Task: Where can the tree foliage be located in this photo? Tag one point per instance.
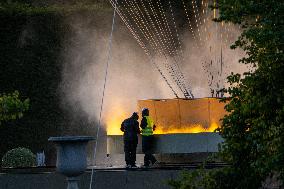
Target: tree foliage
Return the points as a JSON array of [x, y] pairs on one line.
[[220, 178], [253, 130], [196, 179], [12, 107], [254, 127]]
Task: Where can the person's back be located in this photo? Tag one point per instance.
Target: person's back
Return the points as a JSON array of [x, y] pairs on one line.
[[130, 127]]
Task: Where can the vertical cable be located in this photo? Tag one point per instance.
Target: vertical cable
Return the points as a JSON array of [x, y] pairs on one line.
[[105, 80]]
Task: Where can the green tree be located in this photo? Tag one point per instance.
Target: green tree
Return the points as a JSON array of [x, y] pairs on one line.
[[12, 107], [254, 128]]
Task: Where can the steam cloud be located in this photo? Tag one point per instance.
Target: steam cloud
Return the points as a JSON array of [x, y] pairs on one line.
[[130, 75]]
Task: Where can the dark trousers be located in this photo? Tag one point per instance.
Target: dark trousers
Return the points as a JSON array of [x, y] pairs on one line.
[[130, 151], [147, 148]]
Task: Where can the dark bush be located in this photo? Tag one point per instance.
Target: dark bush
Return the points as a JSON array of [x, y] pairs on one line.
[[19, 157]]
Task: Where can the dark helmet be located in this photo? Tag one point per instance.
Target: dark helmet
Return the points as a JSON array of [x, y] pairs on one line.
[[145, 112], [135, 115]]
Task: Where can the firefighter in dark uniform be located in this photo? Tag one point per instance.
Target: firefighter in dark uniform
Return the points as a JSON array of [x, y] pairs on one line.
[[147, 125], [130, 127]]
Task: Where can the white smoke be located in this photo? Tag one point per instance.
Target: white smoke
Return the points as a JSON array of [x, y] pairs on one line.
[[130, 75]]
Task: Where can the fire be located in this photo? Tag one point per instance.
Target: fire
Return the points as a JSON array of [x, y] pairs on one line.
[[196, 128], [113, 123], [175, 116], [114, 128], [114, 115]]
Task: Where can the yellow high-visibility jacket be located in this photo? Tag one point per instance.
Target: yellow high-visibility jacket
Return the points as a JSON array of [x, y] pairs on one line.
[[148, 130]]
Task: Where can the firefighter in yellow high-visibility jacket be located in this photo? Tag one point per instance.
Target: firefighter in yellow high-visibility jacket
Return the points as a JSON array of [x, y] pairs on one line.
[[147, 125]]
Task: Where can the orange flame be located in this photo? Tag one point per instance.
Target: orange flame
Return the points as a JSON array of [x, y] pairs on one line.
[[195, 117], [113, 123], [113, 127], [196, 128]]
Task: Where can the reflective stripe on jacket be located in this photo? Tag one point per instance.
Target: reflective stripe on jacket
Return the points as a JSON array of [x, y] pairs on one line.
[[147, 131]]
